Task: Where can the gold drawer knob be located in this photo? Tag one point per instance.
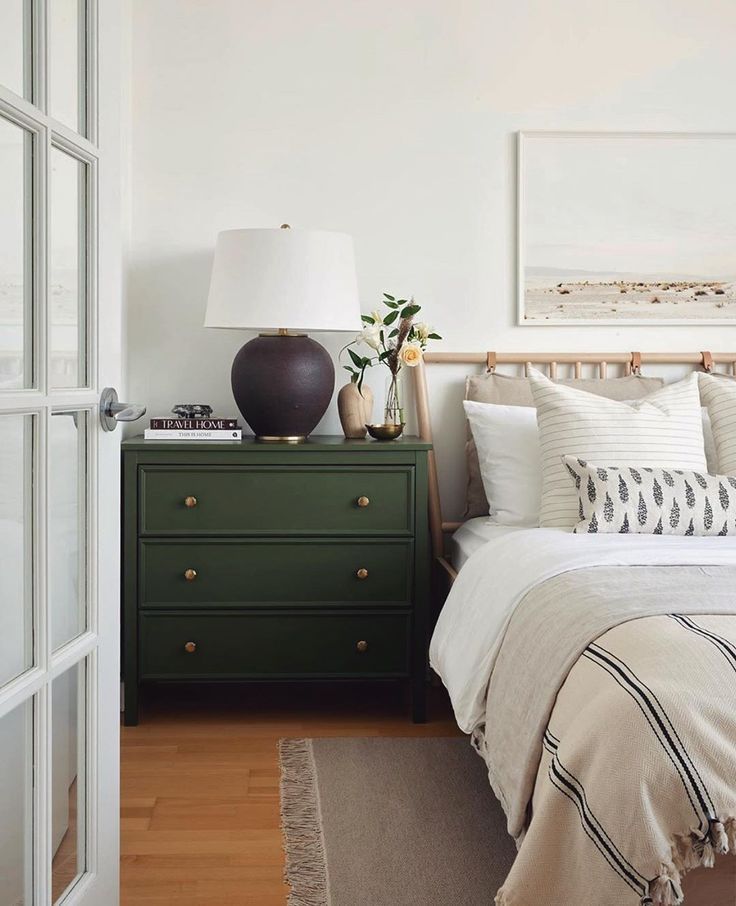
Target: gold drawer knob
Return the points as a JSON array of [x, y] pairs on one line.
[[190, 574], [190, 647], [362, 646], [363, 502], [190, 502], [362, 573]]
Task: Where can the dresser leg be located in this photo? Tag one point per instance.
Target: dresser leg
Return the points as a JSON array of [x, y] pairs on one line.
[[130, 704], [419, 701]]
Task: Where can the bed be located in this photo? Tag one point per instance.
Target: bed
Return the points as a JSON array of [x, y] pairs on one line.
[[596, 676]]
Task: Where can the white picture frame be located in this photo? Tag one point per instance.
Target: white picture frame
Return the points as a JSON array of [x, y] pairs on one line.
[[635, 227]]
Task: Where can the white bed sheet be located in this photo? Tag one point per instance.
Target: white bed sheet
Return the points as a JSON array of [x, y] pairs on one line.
[[502, 570], [472, 535]]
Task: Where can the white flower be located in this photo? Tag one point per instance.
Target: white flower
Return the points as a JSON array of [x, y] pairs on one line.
[[370, 335], [423, 330], [376, 315], [411, 354]]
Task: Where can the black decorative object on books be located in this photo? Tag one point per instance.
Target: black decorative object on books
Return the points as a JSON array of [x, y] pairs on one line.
[[192, 410]]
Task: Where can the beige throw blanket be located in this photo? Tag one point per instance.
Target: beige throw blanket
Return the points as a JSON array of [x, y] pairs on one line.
[[610, 733]]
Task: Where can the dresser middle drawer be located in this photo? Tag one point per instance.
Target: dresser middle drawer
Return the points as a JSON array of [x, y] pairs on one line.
[[277, 500], [275, 572]]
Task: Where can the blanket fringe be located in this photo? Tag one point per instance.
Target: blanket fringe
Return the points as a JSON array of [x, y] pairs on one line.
[[301, 824], [689, 851], [664, 890]]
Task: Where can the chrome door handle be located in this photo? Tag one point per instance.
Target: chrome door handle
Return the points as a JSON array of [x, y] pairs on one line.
[[112, 411]]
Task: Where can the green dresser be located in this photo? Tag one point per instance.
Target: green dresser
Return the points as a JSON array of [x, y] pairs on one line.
[[252, 561]]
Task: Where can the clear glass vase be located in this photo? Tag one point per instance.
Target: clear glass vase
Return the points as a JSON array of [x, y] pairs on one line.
[[393, 411]]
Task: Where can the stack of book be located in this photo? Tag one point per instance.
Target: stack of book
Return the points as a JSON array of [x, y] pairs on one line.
[[193, 429]]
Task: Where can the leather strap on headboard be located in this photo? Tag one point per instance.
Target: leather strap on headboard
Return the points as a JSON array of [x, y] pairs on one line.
[[707, 361]]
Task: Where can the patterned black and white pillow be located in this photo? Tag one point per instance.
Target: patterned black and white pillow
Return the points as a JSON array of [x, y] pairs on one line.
[[648, 501]]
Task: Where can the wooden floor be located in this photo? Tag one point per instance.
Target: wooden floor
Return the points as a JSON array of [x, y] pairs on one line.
[[200, 783]]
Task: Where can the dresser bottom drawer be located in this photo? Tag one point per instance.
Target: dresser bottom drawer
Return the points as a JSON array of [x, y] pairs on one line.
[[263, 645]]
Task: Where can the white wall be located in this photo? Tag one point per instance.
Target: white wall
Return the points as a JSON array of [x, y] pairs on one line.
[[394, 121]]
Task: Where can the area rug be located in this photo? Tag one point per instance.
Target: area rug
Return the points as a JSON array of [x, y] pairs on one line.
[[390, 822]]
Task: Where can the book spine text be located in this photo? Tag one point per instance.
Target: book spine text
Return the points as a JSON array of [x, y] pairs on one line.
[[234, 434]]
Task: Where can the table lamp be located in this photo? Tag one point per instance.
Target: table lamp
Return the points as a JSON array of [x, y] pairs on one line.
[[283, 282]]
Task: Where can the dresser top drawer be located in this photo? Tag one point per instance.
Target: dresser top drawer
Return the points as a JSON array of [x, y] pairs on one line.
[[276, 500]]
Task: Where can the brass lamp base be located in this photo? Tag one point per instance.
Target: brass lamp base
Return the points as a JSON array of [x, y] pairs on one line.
[[287, 439]]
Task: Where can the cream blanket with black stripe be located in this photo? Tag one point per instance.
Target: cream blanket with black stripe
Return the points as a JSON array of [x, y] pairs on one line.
[[610, 733]]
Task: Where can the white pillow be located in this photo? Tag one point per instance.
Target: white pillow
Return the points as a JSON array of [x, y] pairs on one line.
[[508, 452], [507, 442], [664, 429], [718, 393]]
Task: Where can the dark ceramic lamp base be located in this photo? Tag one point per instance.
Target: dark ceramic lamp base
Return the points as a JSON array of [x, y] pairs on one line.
[[283, 384]]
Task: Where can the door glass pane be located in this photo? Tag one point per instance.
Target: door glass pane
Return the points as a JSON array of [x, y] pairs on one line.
[[67, 525], [14, 45], [16, 806], [67, 282], [66, 62], [16, 524], [68, 779], [15, 248]]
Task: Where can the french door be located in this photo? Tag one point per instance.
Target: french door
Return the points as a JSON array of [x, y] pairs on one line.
[[59, 500]]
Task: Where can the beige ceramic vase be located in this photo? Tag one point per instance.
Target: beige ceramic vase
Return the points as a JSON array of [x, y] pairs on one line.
[[355, 409]]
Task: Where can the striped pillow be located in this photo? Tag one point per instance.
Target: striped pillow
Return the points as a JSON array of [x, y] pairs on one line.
[[718, 394], [664, 429]]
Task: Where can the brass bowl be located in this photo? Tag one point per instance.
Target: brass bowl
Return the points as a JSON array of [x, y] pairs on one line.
[[385, 432]]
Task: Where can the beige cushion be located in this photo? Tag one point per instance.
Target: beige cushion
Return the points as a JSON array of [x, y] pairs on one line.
[[505, 390]]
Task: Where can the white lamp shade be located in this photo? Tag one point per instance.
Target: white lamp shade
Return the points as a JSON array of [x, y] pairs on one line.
[[284, 278]]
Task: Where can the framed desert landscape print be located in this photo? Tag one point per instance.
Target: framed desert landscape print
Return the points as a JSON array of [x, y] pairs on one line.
[[626, 228]]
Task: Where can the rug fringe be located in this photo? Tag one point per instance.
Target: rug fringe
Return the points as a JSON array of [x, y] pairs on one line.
[[301, 825]]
